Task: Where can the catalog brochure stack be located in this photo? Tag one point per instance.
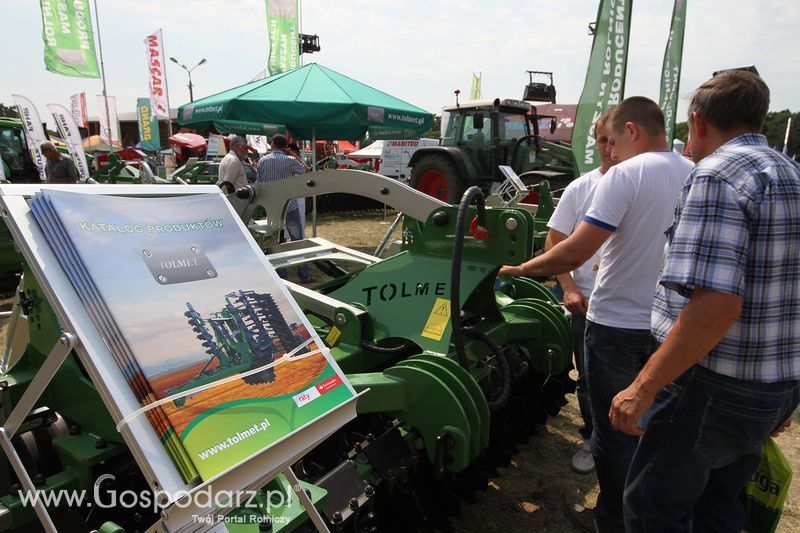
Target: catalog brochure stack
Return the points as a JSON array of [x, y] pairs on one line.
[[209, 340]]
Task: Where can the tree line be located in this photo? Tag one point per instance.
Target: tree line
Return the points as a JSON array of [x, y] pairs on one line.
[[774, 130]]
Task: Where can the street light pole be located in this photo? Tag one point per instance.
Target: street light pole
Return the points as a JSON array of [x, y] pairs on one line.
[[189, 72], [191, 94]]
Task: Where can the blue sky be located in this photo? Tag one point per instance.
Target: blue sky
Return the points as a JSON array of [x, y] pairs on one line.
[[417, 50]]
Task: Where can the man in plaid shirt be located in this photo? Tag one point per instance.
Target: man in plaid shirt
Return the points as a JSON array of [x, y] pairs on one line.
[[726, 374], [282, 163]]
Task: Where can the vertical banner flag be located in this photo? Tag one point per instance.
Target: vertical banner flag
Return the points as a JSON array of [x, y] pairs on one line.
[[148, 128], [78, 104], [604, 86], [72, 137], [671, 70], [157, 73], [282, 27], [34, 133], [68, 38], [106, 116], [475, 92]]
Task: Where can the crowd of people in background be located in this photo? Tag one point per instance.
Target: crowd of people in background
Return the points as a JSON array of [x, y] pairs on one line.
[[691, 354]]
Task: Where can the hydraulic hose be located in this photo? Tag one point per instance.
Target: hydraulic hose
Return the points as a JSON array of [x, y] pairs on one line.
[[455, 272], [505, 393]]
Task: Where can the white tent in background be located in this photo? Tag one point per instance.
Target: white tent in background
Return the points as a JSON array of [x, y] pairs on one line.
[[373, 151]]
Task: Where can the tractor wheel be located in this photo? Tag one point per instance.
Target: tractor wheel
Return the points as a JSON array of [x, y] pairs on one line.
[[437, 176]]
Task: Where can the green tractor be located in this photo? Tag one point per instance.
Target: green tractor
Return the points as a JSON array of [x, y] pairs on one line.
[[480, 136], [17, 163]]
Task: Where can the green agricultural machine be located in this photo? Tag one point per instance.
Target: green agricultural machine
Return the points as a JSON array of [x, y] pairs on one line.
[[17, 163], [480, 136], [119, 170], [456, 366], [17, 168]]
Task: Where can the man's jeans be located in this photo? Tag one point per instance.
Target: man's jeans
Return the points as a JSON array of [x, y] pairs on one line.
[[614, 356], [295, 225], [701, 446], [582, 389]]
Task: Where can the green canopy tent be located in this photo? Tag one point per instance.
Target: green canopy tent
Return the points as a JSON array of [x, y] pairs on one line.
[[312, 102]]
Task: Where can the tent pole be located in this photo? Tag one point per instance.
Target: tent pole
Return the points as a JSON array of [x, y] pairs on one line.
[[313, 169]]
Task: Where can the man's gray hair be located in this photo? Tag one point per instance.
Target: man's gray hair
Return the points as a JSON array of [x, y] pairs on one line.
[[47, 145], [238, 140]]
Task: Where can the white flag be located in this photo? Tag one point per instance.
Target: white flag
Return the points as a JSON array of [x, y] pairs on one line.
[[2, 170], [72, 137], [78, 104], [259, 142], [106, 116], [157, 74], [34, 133]]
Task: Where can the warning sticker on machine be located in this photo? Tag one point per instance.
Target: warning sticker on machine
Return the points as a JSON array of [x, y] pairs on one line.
[[437, 320], [333, 337]]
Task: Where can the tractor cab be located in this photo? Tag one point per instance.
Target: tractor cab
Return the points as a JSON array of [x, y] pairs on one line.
[[489, 134], [478, 137]]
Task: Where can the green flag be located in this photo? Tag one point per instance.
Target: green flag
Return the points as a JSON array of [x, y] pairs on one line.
[[148, 127], [671, 70], [475, 91], [68, 38], [284, 44], [605, 78]]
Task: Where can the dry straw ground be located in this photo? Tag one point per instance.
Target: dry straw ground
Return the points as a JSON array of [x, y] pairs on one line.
[[532, 493]]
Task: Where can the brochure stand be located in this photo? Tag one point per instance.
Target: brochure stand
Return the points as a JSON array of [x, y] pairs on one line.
[[80, 333]]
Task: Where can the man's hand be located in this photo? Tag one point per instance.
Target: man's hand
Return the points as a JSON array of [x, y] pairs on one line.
[[783, 427], [576, 302], [628, 407], [508, 270]]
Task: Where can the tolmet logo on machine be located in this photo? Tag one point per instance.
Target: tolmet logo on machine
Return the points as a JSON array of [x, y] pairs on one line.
[[308, 395]]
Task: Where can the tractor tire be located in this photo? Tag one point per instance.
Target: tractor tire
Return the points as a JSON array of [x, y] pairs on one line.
[[437, 176]]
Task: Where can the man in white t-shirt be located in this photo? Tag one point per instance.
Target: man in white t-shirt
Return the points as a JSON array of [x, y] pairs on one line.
[[632, 208], [579, 284]]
